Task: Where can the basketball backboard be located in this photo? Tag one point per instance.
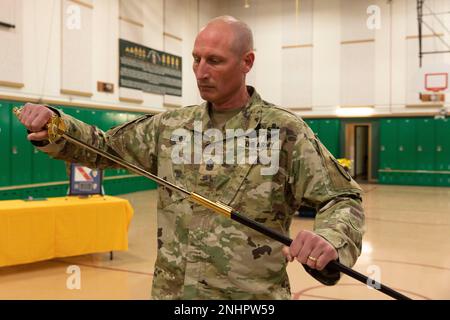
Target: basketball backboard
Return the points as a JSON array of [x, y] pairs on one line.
[[432, 82], [436, 81]]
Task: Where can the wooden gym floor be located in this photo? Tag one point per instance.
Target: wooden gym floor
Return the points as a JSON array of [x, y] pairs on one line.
[[407, 241]]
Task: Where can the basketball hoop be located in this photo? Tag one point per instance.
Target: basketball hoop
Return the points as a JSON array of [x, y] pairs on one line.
[[435, 82]]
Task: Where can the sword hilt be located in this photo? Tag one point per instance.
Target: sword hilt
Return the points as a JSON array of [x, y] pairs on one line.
[[55, 125]]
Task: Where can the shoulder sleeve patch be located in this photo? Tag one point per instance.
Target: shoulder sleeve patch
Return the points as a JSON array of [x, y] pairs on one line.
[[337, 173], [341, 169]]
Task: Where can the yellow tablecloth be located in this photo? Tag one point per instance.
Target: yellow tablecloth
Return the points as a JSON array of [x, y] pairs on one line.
[[60, 227]]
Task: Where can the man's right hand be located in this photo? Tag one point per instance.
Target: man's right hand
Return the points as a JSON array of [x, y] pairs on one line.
[[34, 117]]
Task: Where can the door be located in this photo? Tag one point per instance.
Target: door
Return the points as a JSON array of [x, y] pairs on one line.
[[361, 163]]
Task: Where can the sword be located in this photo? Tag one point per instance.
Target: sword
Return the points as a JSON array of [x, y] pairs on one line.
[[56, 129]]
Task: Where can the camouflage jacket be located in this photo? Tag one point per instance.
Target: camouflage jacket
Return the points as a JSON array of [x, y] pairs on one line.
[[203, 255]]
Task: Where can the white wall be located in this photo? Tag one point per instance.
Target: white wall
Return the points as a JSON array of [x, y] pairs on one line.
[[76, 47], [301, 60], [11, 42], [265, 19], [42, 40], [297, 54], [197, 14], [325, 71], [105, 53], [41, 48], [357, 56], [326, 56]]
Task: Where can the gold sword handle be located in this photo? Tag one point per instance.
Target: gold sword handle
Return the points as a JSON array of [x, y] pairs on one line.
[[218, 207], [55, 125]]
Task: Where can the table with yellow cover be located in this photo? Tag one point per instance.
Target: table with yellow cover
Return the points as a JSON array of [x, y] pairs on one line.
[[61, 227]]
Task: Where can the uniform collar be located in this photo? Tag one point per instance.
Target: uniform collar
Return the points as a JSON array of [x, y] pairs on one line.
[[247, 120]]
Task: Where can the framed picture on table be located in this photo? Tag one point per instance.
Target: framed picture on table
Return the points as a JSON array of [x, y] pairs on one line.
[[85, 181]]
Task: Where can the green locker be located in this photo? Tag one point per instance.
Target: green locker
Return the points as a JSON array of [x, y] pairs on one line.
[[94, 117], [120, 117], [69, 111], [132, 116], [388, 150], [41, 166], [85, 115], [329, 135], [81, 114], [5, 144], [110, 187], [58, 170], [106, 120], [443, 151], [425, 150], [21, 152], [407, 150]]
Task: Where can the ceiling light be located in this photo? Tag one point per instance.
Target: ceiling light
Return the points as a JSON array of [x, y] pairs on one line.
[[354, 111]]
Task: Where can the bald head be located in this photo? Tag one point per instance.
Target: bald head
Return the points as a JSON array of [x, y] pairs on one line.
[[223, 55], [242, 40]]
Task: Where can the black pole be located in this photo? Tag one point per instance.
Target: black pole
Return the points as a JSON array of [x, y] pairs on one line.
[[332, 266], [419, 25], [7, 25]]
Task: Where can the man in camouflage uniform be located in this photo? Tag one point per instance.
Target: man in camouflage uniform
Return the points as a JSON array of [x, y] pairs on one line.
[[202, 255]]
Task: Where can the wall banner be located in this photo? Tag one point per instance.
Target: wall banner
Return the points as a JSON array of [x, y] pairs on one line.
[[149, 70]]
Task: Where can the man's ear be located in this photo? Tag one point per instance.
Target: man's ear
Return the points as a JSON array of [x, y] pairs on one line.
[[247, 61]]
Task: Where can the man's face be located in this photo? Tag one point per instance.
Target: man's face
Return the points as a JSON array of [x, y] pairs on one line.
[[217, 67]]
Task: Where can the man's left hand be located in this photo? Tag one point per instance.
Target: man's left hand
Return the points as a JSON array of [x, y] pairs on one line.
[[310, 249]]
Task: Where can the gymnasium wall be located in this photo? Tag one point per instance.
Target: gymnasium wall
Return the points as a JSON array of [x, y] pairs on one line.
[[55, 54], [60, 49], [317, 56], [311, 56]]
